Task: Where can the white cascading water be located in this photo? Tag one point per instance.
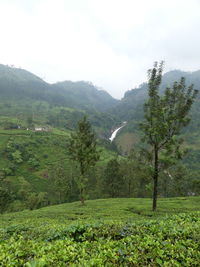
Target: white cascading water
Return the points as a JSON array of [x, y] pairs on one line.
[[116, 131]]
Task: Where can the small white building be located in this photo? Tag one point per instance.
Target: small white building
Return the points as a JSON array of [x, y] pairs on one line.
[[39, 129], [42, 129]]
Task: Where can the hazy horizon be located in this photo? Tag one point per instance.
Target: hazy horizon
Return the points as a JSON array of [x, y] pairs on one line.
[[96, 85], [109, 43]]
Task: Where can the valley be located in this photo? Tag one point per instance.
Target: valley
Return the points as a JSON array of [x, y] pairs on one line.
[[43, 223], [99, 133], [114, 133], [30, 158]]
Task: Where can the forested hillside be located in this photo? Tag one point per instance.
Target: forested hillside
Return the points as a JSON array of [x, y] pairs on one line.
[[131, 105], [130, 109], [88, 179], [28, 101], [34, 163], [19, 84], [36, 120]]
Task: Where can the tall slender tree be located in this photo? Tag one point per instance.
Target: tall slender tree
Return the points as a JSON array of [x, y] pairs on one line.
[[113, 180], [165, 116], [83, 150]]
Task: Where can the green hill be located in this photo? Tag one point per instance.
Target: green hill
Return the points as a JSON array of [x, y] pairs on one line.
[[30, 165], [131, 105], [27, 101], [84, 95], [130, 109], [36, 171], [30, 161], [21, 85]]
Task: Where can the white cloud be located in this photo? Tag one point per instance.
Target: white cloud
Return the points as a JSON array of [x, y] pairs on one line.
[[109, 42]]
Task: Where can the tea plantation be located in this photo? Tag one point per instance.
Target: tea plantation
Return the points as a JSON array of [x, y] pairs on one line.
[[104, 232]]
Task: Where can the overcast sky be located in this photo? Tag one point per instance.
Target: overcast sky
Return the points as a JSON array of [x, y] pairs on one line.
[[111, 43]]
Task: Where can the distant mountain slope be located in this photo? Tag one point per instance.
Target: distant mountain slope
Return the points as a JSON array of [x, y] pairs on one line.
[[26, 98], [85, 94], [17, 75], [130, 109], [20, 84], [131, 105]]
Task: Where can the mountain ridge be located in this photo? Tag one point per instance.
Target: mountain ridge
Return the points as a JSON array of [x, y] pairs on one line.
[[131, 105], [81, 94]]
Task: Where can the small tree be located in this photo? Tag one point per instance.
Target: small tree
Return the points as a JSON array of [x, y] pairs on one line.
[[83, 150], [113, 179], [59, 182], [165, 116], [5, 199]]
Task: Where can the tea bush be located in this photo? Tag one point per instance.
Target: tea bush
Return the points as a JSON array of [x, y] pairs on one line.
[[170, 241]]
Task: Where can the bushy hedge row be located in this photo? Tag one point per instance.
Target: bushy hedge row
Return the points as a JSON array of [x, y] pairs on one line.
[[171, 241]]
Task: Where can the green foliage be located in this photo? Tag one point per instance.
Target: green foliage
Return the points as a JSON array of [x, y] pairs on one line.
[[44, 166], [83, 150], [82, 146], [136, 173], [25, 87], [176, 181], [60, 182], [29, 121], [5, 199], [27, 102], [10, 125], [49, 237], [28, 158], [33, 162], [165, 116], [16, 156], [113, 181], [35, 201]]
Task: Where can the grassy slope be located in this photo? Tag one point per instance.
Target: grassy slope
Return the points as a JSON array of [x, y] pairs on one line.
[[106, 232], [118, 209], [48, 148], [40, 145]]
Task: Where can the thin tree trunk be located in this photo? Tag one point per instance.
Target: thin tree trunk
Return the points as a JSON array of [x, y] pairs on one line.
[[59, 194], [129, 188], [82, 197], [155, 179], [82, 186]]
